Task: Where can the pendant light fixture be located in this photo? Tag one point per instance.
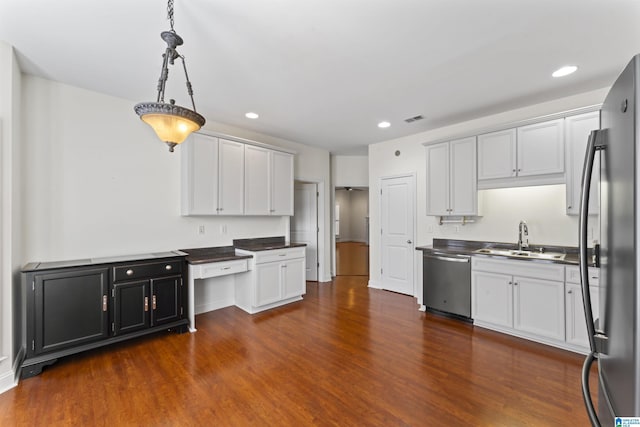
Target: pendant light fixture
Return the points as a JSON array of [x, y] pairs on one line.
[[172, 123]]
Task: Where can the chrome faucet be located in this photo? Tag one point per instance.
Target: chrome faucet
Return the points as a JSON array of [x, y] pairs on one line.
[[523, 236]]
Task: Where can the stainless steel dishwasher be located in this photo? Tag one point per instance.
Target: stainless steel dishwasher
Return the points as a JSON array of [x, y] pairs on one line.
[[447, 283]]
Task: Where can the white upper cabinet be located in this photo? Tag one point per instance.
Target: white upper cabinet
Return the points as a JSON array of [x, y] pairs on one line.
[[226, 177], [451, 178], [281, 183], [497, 155], [577, 130], [199, 177], [268, 182], [541, 148], [230, 177], [257, 181], [527, 155]]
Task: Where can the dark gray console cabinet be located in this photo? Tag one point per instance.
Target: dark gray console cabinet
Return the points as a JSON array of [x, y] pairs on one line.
[[71, 307]]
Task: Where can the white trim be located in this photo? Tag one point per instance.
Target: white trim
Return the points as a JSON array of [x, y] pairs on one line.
[[510, 125], [375, 284], [8, 381], [245, 141], [322, 277]]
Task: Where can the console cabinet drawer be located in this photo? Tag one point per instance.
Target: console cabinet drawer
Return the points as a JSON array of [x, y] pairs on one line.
[[146, 270]]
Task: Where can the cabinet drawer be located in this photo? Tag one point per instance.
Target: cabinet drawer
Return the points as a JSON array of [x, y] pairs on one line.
[[216, 269], [144, 270], [573, 275], [278, 255], [533, 269]]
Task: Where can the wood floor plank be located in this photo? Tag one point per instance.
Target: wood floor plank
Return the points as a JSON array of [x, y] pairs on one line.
[[346, 355]]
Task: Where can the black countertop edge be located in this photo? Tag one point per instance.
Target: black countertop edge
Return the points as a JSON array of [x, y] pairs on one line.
[[468, 247], [212, 254], [265, 244], [38, 266]]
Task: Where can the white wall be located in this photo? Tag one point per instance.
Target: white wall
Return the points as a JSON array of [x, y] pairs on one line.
[[99, 182], [350, 171], [10, 218], [542, 207]]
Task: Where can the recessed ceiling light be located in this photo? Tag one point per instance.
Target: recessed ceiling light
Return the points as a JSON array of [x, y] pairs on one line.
[[383, 125], [251, 115], [564, 71]]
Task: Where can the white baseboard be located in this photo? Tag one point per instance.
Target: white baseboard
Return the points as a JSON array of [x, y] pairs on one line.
[[7, 380], [375, 284]]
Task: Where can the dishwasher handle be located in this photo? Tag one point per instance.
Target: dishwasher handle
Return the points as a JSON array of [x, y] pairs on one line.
[[450, 258]]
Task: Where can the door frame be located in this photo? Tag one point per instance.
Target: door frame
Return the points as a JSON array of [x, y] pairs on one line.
[[317, 221], [412, 175], [322, 277]]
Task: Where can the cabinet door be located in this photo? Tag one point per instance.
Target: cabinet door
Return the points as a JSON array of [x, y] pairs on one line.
[[71, 308], [577, 130], [539, 307], [293, 278], [257, 181], [199, 175], [575, 322], [497, 155], [492, 298], [130, 307], [281, 183], [268, 287], [541, 148], [438, 179], [463, 186], [230, 177], [166, 303]]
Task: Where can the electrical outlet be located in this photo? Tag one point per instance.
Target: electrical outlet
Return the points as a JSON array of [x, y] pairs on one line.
[[223, 229], [456, 229], [201, 229], [430, 228]]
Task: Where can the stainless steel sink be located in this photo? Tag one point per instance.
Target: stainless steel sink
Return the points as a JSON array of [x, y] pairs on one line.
[[521, 254]]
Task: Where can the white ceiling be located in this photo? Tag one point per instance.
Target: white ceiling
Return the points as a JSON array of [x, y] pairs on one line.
[[325, 72]]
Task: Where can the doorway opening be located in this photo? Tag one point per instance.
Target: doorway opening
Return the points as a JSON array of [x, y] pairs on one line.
[[352, 231]]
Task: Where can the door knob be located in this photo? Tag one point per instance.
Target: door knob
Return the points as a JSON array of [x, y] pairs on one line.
[[409, 241]]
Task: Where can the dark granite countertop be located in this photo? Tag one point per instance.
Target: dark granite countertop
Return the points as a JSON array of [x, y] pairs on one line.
[[103, 260], [212, 254], [468, 247], [265, 244]]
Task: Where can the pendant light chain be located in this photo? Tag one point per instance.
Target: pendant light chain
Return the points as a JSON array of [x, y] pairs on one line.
[[170, 14]]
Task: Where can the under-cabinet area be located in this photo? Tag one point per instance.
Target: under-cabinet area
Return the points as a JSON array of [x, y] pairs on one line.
[[70, 307]]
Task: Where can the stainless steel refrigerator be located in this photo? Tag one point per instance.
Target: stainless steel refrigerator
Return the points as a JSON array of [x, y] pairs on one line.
[[615, 336]]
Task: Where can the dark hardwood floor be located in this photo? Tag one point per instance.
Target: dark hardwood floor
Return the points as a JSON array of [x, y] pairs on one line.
[[345, 356]]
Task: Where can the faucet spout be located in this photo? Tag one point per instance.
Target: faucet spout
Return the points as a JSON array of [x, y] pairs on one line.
[[523, 235]]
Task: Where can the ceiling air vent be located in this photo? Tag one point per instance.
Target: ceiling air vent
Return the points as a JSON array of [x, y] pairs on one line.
[[413, 119]]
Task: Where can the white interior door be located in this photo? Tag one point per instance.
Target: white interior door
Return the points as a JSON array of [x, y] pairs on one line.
[[304, 224], [397, 221]]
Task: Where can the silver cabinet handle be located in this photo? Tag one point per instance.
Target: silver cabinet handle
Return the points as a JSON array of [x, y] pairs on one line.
[[129, 272], [104, 303], [167, 267]]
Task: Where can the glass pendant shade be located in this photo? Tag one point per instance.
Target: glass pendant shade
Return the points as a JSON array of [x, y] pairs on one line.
[[171, 123]]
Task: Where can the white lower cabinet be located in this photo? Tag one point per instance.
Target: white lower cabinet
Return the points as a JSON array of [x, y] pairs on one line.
[[519, 297], [576, 325], [276, 277], [532, 300]]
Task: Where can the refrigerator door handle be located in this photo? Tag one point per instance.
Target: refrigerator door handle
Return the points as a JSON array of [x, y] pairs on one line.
[[584, 274], [582, 238]]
